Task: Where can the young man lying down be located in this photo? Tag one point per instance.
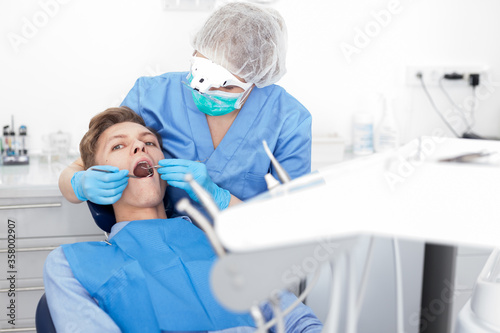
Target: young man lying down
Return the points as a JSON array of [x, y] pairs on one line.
[[152, 274]]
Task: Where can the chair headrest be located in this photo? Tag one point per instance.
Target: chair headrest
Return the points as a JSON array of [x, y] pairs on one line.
[[104, 215]]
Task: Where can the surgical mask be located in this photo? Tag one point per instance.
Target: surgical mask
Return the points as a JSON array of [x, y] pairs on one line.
[[216, 102]]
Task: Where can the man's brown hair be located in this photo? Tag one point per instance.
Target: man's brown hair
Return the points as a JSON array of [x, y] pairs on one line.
[[101, 122]]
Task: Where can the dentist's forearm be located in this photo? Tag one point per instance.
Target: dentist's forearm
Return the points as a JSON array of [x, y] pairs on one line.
[[234, 201], [65, 180]]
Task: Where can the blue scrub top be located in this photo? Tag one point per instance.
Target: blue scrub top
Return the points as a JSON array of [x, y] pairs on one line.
[[239, 163]]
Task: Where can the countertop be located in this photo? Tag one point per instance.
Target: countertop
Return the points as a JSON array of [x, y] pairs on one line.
[[38, 178]]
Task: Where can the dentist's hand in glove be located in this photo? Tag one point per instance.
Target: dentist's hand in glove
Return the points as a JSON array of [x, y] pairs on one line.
[[174, 171], [100, 187]]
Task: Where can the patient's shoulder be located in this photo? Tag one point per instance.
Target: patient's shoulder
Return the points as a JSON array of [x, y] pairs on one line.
[[56, 263]]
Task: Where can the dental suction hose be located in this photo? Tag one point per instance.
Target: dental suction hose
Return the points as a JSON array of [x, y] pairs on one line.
[[211, 207], [185, 206], [205, 198], [282, 174]]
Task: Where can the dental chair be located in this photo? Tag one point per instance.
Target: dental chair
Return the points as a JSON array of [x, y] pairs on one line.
[[104, 217], [43, 319]]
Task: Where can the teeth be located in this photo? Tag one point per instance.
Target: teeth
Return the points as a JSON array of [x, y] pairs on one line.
[[143, 169]]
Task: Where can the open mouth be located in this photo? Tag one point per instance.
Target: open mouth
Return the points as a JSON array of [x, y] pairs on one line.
[[143, 169]]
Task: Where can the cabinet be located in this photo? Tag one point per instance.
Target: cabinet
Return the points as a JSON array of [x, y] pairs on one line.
[[34, 219]]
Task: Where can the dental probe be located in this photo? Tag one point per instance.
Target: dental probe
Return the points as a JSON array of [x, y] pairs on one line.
[[107, 171]]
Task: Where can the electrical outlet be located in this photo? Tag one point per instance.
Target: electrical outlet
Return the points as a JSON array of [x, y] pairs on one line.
[[432, 74]]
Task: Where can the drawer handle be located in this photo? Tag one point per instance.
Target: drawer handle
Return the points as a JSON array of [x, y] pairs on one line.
[[31, 249], [24, 329], [23, 289], [47, 205]]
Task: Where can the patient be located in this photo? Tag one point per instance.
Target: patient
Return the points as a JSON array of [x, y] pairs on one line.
[[152, 274]]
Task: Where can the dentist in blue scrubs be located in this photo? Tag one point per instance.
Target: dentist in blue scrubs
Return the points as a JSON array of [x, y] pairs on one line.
[[213, 119]]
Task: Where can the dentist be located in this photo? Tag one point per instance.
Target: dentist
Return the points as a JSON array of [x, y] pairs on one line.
[[213, 119]]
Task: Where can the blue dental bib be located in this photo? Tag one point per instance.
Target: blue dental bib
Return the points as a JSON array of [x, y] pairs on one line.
[[155, 276]]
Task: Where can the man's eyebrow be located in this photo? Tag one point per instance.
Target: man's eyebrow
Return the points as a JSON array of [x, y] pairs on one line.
[[146, 133], [115, 137], [118, 136], [124, 136]]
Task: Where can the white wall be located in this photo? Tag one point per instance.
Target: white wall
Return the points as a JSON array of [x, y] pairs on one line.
[[84, 59], [87, 54], [421, 33]]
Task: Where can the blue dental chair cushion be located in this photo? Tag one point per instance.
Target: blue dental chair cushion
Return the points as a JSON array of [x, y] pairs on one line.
[[43, 320]]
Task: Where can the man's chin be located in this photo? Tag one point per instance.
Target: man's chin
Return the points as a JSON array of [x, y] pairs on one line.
[[146, 202], [143, 199]]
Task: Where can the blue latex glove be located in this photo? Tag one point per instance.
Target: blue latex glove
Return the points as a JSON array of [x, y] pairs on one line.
[[174, 171], [101, 188]]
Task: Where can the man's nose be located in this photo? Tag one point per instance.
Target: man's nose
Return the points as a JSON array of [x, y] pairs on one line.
[[139, 146]]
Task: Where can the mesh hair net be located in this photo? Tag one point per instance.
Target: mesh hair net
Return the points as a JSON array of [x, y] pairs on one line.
[[248, 40]]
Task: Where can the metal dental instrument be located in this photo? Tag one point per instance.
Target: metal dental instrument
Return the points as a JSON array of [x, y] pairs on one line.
[[130, 175], [282, 174], [107, 171]]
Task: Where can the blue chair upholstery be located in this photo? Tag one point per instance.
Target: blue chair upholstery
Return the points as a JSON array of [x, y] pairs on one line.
[[43, 320], [103, 215]]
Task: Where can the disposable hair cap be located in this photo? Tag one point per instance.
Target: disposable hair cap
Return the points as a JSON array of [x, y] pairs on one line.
[[248, 40]]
